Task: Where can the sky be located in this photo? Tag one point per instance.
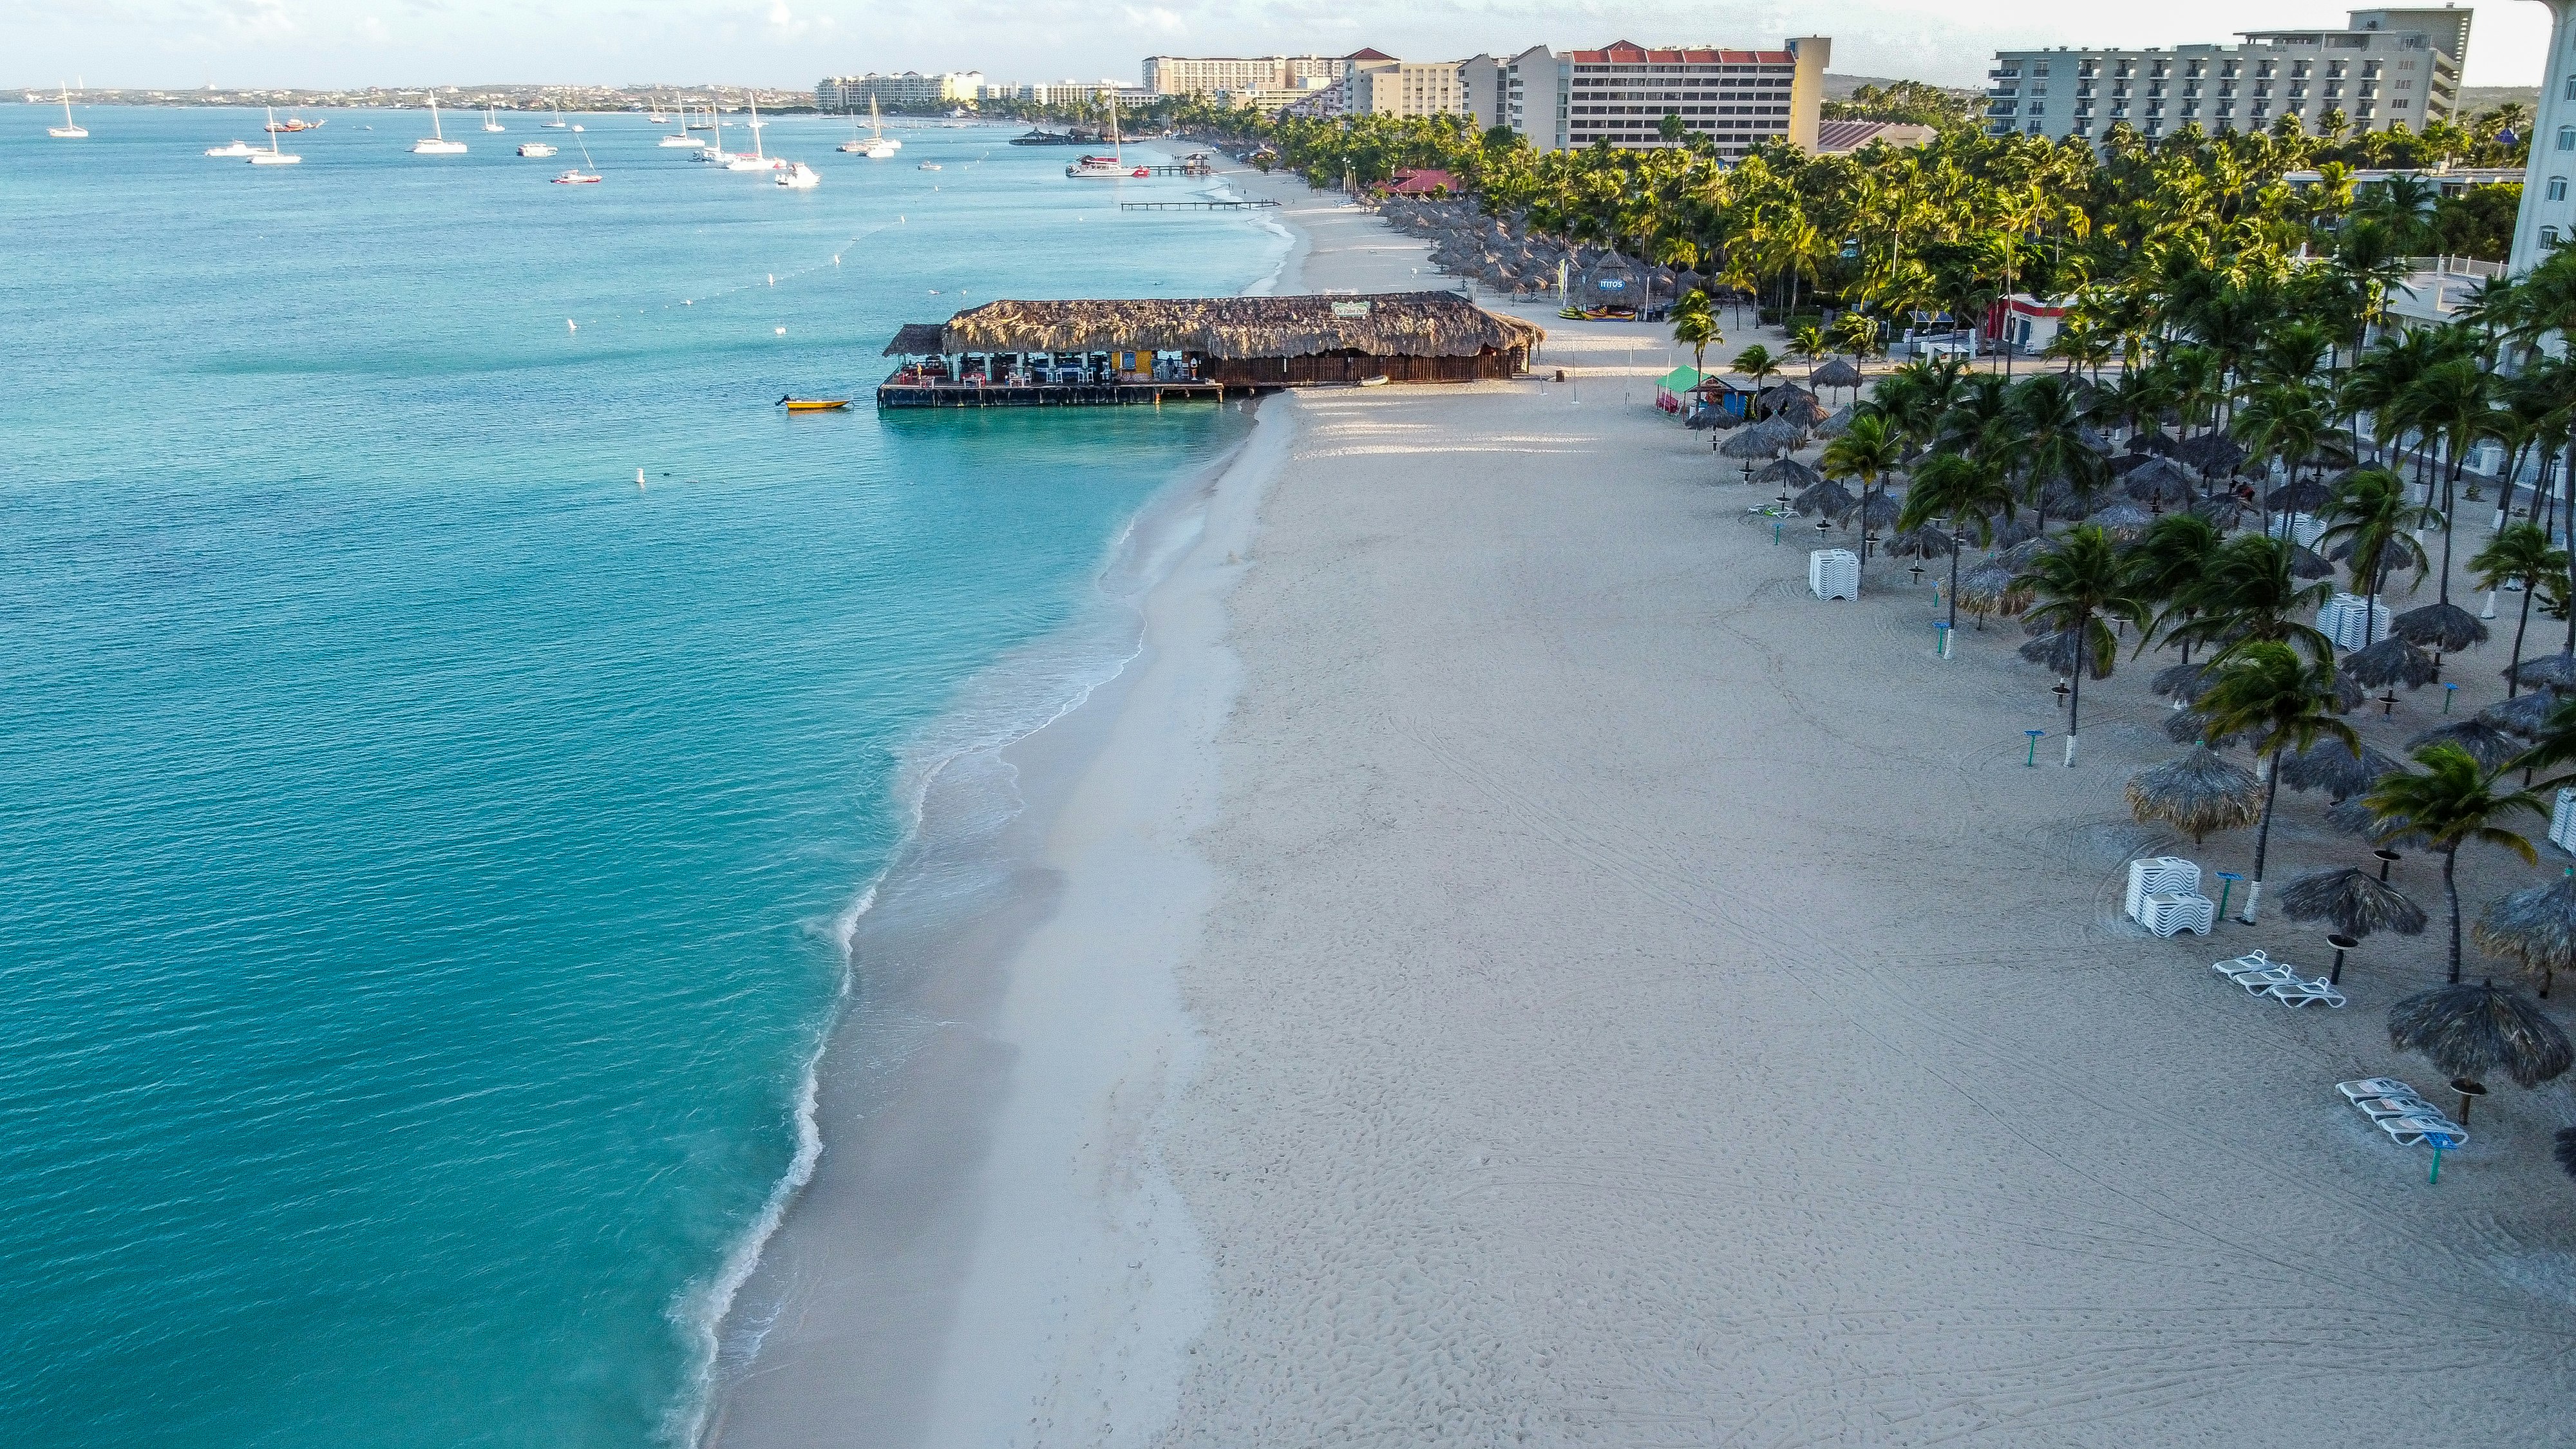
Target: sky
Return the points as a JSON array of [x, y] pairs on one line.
[[790, 43]]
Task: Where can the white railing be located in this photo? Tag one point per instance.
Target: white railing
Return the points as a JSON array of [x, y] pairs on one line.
[[2455, 266]]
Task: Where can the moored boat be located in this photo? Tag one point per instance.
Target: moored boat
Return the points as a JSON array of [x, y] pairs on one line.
[[813, 404]]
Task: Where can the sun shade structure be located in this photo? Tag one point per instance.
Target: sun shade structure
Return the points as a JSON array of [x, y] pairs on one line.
[[1825, 499], [2212, 452], [2305, 496], [2439, 626], [2185, 682], [2486, 744], [2331, 766], [2354, 902], [2557, 671], [1837, 373], [2535, 928], [2390, 661], [2196, 794], [1789, 471], [2160, 481], [2472, 1031], [1924, 542], [1255, 341], [2524, 714]]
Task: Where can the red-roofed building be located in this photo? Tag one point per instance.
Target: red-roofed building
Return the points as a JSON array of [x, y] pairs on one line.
[[1426, 182], [1622, 94]]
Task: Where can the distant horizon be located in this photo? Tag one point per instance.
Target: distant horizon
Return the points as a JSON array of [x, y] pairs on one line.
[[184, 45]]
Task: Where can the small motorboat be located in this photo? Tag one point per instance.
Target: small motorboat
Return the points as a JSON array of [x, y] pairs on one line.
[[233, 151], [799, 177], [813, 404], [928, 166], [577, 177]]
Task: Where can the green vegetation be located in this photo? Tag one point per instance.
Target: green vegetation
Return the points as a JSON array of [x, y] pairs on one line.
[[1912, 102]]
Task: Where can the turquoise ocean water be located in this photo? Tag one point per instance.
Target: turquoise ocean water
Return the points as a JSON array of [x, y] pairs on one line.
[[426, 852]]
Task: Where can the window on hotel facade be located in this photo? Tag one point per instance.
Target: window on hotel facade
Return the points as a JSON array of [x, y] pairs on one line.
[[2567, 138], [2558, 188]]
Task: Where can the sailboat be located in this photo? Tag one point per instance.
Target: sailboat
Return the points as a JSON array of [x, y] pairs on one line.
[[491, 121], [557, 123], [681, 137], [714, 151], [1109, 167], [876, 147], [759, 159], [273, 156], [578, 176], [69, 130], [656, 117], [436, 142]]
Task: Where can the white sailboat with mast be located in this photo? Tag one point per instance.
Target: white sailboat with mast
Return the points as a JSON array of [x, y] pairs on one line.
[[69, 130], [1110, 167], [436, 142], [875, 147], [273, 156], [759, 159]]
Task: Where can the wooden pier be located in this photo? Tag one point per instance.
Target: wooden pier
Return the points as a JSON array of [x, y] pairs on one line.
[[1192, 205], [972, 394]]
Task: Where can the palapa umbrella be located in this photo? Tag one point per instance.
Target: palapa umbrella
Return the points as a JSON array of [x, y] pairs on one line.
[[2471, 1031], [2060, 650], [2016, 543], [2153, 440], [1797, 405], [1837, 373], [1878, 510], [1788, 471], [2331, 766], [2557, 671], [2211, 452], [2390, 661], [2306, 495], [2486, 744], [1992, 588], [1838, 424], [2125, 520], [2307, 563], [2446, 627], [1823, 499], [2190, 726], [1757, 441], [2354, 902], [2224, 510], [2355, 817], [2524, 714], [2348, 694], [2091, 437], [2196, 794], [2162, 481], [2566, 1140], [2183, 682], [2534, 928], [1924, 542]]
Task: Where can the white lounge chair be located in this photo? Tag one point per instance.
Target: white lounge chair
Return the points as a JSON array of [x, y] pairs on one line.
[[2402, 1104], [2414, 1131], [2250, 961], [2261, 983], [2374, 1087], [2300, 993]]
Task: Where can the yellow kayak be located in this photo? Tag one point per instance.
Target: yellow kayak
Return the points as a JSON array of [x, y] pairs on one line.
[[813, 404]]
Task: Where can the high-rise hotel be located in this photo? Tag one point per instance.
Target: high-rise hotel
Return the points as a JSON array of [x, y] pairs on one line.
[[2385, 68]]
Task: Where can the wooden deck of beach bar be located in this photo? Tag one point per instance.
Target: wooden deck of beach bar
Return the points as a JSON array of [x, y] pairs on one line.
[[1106, 353]]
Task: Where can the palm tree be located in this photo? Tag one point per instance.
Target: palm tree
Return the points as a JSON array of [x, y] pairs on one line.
[[1870, 449], [2454, 399], [2081, 585], [1757, 363], [2249, 595], [2168, 561], [2279, 701], [1969, 491], [2520, 557], [1696, 330], [2370, 516], [2449, 804]]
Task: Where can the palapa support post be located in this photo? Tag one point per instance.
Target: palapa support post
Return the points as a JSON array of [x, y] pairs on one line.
[[2032, 759], [2341, 944]]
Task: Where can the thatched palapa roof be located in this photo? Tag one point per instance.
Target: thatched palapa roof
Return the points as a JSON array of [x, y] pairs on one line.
[[1394, 324]]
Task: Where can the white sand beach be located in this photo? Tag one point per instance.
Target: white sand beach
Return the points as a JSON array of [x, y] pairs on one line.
[[1506, 966]]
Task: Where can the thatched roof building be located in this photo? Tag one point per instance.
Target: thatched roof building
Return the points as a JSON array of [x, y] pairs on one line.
[[1261, 341]]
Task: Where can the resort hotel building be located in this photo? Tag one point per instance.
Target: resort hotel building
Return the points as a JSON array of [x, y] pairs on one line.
[[2547, 219], [2385, 68], [910, 91]]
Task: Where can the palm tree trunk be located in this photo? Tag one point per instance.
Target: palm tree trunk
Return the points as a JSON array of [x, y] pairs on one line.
[[2451, 892], [2075, 700], [2513, 671], [2263, 837], [2450, 490], [1954, 582]]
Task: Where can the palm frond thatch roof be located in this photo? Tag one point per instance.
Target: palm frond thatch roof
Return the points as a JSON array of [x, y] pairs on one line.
[[1839, 423], [2355, 817], [1823, 499], [2190, 726], [2558, 671], [2524, 714], [2153, 440], [1995, 585], [1788, 471], [2331, 766], [2305, 496], [2061, 650], [2439, 626], [1924, 542], [2196, 794], [2014, 531], [2123, 519], [1837, 373], [1389, 324], [2474, 1031], [918, 339], [2185, 682], [2354, 902], [2486, 744], [2307, 563], [2535, 927], [2210, 452], [2224, 510], [2390, 661], [1878, 510], [2161, 480]]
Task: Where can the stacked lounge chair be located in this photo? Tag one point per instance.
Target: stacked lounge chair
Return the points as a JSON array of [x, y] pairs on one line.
[[1834, 573], [2164, 896], [2352, 621]]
